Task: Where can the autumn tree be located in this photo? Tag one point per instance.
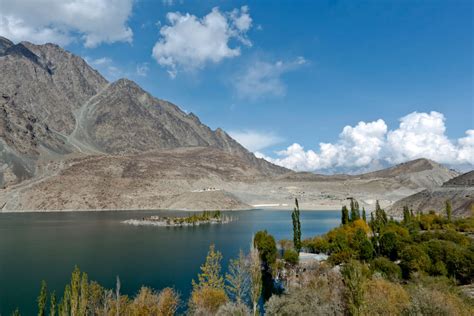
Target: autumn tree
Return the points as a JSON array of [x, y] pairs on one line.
[[255, 269], [209, 291], [238, 278], [42, 298], [52, 304]]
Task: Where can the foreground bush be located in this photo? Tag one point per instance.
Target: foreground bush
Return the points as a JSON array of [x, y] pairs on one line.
[[386, 268], [426, 301], [382, 297]]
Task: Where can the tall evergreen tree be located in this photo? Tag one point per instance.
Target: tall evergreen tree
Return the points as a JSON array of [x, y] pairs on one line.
[[42, 298], [344, 215], [406, 215], [296, 227], [364, 216], [355, 212], [449, 209]]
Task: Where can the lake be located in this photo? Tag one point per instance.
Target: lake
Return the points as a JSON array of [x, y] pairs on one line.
[[37, 246]]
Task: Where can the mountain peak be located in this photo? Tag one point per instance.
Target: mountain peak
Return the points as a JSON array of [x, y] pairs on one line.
[[5, 43]]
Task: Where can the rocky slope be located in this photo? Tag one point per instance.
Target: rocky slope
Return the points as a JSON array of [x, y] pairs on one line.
[[459, 190], [53, 103], [69, 139]]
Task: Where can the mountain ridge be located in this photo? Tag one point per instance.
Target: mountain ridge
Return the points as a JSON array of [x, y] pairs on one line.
[[71, 139], [66, 106]]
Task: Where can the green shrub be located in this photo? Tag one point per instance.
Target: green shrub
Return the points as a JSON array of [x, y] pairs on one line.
[[340, 256], [316, 245], [291, 256], [389, 245], [387, 268], [414, 259], [266, 245]]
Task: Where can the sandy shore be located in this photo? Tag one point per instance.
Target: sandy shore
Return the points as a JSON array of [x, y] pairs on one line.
[[266, 207]]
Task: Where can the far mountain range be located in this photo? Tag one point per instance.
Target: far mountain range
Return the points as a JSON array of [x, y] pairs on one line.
[[69, 139]]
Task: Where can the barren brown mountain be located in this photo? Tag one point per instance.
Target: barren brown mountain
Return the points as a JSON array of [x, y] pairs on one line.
[[69, 139]]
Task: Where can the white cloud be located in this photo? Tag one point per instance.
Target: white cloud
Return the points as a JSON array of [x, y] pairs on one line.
[[419, 135], [142, 70], [106, 67], [189, 43], [261, 79], [64, 21], [255, 140]]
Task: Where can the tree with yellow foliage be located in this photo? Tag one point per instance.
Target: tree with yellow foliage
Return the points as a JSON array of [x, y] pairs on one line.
[[209, 291]]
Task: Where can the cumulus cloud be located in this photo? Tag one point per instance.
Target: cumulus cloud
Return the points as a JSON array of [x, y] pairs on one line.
[[107, 67], [255, 140], [63, 21], [262, 79], [419, 135], [189, 42], [142, 70]]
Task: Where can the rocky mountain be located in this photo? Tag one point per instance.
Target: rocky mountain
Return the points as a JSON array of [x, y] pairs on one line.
[[69, 139], [415, 174], [459, 191], [54, 104]]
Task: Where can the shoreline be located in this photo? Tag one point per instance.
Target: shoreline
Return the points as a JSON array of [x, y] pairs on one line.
[[255, 208]]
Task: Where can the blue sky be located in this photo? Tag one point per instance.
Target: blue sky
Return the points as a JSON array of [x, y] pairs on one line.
[[299, 72]]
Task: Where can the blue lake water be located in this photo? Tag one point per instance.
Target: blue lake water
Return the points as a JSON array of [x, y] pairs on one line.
[[37, 246]]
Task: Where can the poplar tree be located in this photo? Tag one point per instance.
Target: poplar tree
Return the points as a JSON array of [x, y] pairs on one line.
[[296, 227], [449, 209], [238, 278], [117, 296], [210, 275], [84, 296], [344, 215], [64, 307], [355, 212], [75, 291], [256, 278], [42, 298], [52, 304]]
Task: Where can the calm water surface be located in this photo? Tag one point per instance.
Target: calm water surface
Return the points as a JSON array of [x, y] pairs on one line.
[[46, 246]]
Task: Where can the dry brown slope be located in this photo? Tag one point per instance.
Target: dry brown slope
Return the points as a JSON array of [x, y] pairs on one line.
[[459, 191], [144, 181]]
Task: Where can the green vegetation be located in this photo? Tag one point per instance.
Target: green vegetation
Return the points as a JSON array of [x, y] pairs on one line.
[[195, 219], [291, 256], [411, 267], [295, 216]]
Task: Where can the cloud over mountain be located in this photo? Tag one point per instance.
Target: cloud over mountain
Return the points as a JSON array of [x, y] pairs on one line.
[[64, 21], [419, 135], [262, 79], [189, 42], [255, 140]]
